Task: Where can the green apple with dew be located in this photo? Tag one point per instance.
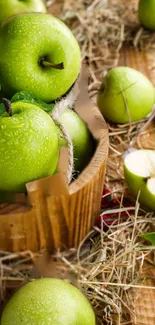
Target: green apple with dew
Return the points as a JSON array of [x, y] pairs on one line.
[[39, 54], [139, 172], [126, 95], [9, 8], [48, 301], [83, 144], [146, 13], [28, 146]]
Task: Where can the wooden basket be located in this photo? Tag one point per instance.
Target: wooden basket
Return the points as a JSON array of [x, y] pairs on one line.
[[55, 215]]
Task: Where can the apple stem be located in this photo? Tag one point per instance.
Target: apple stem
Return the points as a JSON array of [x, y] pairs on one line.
[[7, 105], [46, 64]]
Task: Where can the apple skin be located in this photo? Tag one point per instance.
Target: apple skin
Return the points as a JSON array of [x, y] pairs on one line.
[[138, 183], [82, 139], [146, 13], [28, 146], [138, 95], [9, 8], [48, 301], [25, 39]]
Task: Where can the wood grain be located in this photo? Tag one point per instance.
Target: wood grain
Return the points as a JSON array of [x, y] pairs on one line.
[[135, 59]]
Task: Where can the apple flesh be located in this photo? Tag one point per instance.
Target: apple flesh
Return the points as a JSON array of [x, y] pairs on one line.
[[126, 95], [28, 146], [139, 172], [81, 137], [39, 54], [48, 301], [146, 13], [9, 8]]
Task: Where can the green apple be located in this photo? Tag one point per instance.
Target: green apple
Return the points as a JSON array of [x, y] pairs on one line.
[[146, 13], [48, 301], [13, 7], [125, 95], [139, 171], [39, 54], [28, 146], [82, 139]]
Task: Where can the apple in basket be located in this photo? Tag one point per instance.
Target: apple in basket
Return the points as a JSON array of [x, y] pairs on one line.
[[12, 7], [29, 146], [48, 301], [83, 143], [146, 13], [40, 54], [82, 140], [139, 171], [125, 95]]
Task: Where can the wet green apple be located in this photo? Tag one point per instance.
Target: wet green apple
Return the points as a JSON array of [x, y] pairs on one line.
[[48, 301], [146, 13], [139, 171], [39, 54], [13, 7], [125, 95], [28, 146], [81, 137]]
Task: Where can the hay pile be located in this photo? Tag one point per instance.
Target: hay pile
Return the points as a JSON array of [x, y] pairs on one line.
[[108, 265], [102, 31]]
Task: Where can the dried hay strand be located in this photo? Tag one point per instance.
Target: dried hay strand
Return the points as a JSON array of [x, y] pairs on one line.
[[102, 27], [121, 140]]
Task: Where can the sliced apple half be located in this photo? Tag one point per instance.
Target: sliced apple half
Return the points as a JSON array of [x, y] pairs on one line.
[[139, 172]]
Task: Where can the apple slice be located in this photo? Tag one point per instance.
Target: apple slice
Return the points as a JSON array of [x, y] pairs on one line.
[[139, 172]]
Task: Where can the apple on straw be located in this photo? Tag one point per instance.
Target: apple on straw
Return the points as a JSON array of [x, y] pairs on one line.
[[146, 13], [139, 172], [48, 301], [126, 95]]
